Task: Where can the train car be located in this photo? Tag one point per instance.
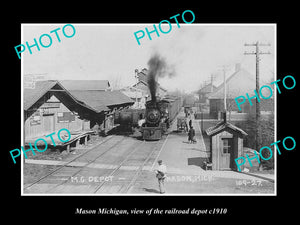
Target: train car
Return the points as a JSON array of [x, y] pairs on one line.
[[175, 104], [158, 117], [129, 117]]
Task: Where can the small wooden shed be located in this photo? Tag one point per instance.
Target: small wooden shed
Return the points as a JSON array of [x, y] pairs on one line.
[[226, 144]]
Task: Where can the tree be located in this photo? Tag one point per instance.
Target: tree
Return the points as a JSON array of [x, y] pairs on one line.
[[267, 136]]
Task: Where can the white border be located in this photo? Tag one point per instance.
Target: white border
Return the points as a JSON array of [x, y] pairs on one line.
[[146, 24]]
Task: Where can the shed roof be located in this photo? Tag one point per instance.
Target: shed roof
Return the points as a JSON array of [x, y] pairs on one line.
[[102, 100], [219, 127], [100, 85]]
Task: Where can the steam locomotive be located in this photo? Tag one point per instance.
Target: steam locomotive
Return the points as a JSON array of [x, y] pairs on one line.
[[158, 116]]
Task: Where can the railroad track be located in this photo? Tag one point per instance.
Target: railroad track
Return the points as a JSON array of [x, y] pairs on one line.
[[136, 175], [120, 165], [140, 154], [69, 162], [124, 188], [86, 165]]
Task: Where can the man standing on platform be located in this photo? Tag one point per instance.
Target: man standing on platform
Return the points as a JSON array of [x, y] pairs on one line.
[[190, 123], [191, 135], [161, 175]]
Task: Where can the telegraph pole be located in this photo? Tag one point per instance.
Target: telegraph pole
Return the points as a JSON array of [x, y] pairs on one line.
[[257, 53], [225, 68], [225, 89], [136, 71], [212, 77]]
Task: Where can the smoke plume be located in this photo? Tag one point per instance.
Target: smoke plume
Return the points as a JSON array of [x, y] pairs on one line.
[[158, 68]]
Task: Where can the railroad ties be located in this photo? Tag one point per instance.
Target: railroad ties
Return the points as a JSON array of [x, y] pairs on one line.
[[111, 167]]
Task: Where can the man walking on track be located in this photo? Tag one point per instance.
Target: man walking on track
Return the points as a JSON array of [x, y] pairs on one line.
[[161, 175]]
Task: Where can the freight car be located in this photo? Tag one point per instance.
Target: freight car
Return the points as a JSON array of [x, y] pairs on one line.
[[158, 117]]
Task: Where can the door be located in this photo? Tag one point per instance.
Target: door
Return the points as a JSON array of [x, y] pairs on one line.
[[226, 152]]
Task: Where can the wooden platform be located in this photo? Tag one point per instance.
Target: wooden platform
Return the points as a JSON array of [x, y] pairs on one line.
[[80, 137]]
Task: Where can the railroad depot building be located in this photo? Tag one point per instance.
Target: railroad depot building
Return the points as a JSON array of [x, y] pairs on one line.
[[98, 95], [49, 107]]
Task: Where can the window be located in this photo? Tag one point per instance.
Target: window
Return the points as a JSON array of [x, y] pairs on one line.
[[35, 119], [227, 144], [65, 117]]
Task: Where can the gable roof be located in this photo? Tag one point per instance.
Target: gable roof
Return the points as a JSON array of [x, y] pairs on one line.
[[142, 78], [207, 88], [100, 85], [219, 127], [144, 86], [142, 75], [94, 94], [102, 100], [95, 100], [239, 83], [33, 97]]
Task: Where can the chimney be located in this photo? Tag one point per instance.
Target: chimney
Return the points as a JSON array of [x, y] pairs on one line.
[[237, 67]]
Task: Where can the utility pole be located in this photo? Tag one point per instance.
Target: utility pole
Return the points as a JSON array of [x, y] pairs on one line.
[[225, 90], [136, 79], [257, 53], [224, 69], [212, 77]]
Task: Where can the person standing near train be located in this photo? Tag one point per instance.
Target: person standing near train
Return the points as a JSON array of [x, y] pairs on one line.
[[191, 135], [189, 117], [161, 174], [190, 123]]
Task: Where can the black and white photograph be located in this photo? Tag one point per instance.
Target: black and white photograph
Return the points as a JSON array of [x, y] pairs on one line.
[[149, 109]]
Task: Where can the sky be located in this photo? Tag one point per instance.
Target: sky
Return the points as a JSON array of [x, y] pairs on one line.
[[111, 52]]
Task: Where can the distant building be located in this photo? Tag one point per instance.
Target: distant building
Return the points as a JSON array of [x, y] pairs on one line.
[[86, 85], [239, 83], [190, 99], [205, 91], [140, 97], [29, 80], [143, 85]]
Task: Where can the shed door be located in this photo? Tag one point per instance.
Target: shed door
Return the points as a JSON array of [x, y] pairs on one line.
[[226, 153]]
